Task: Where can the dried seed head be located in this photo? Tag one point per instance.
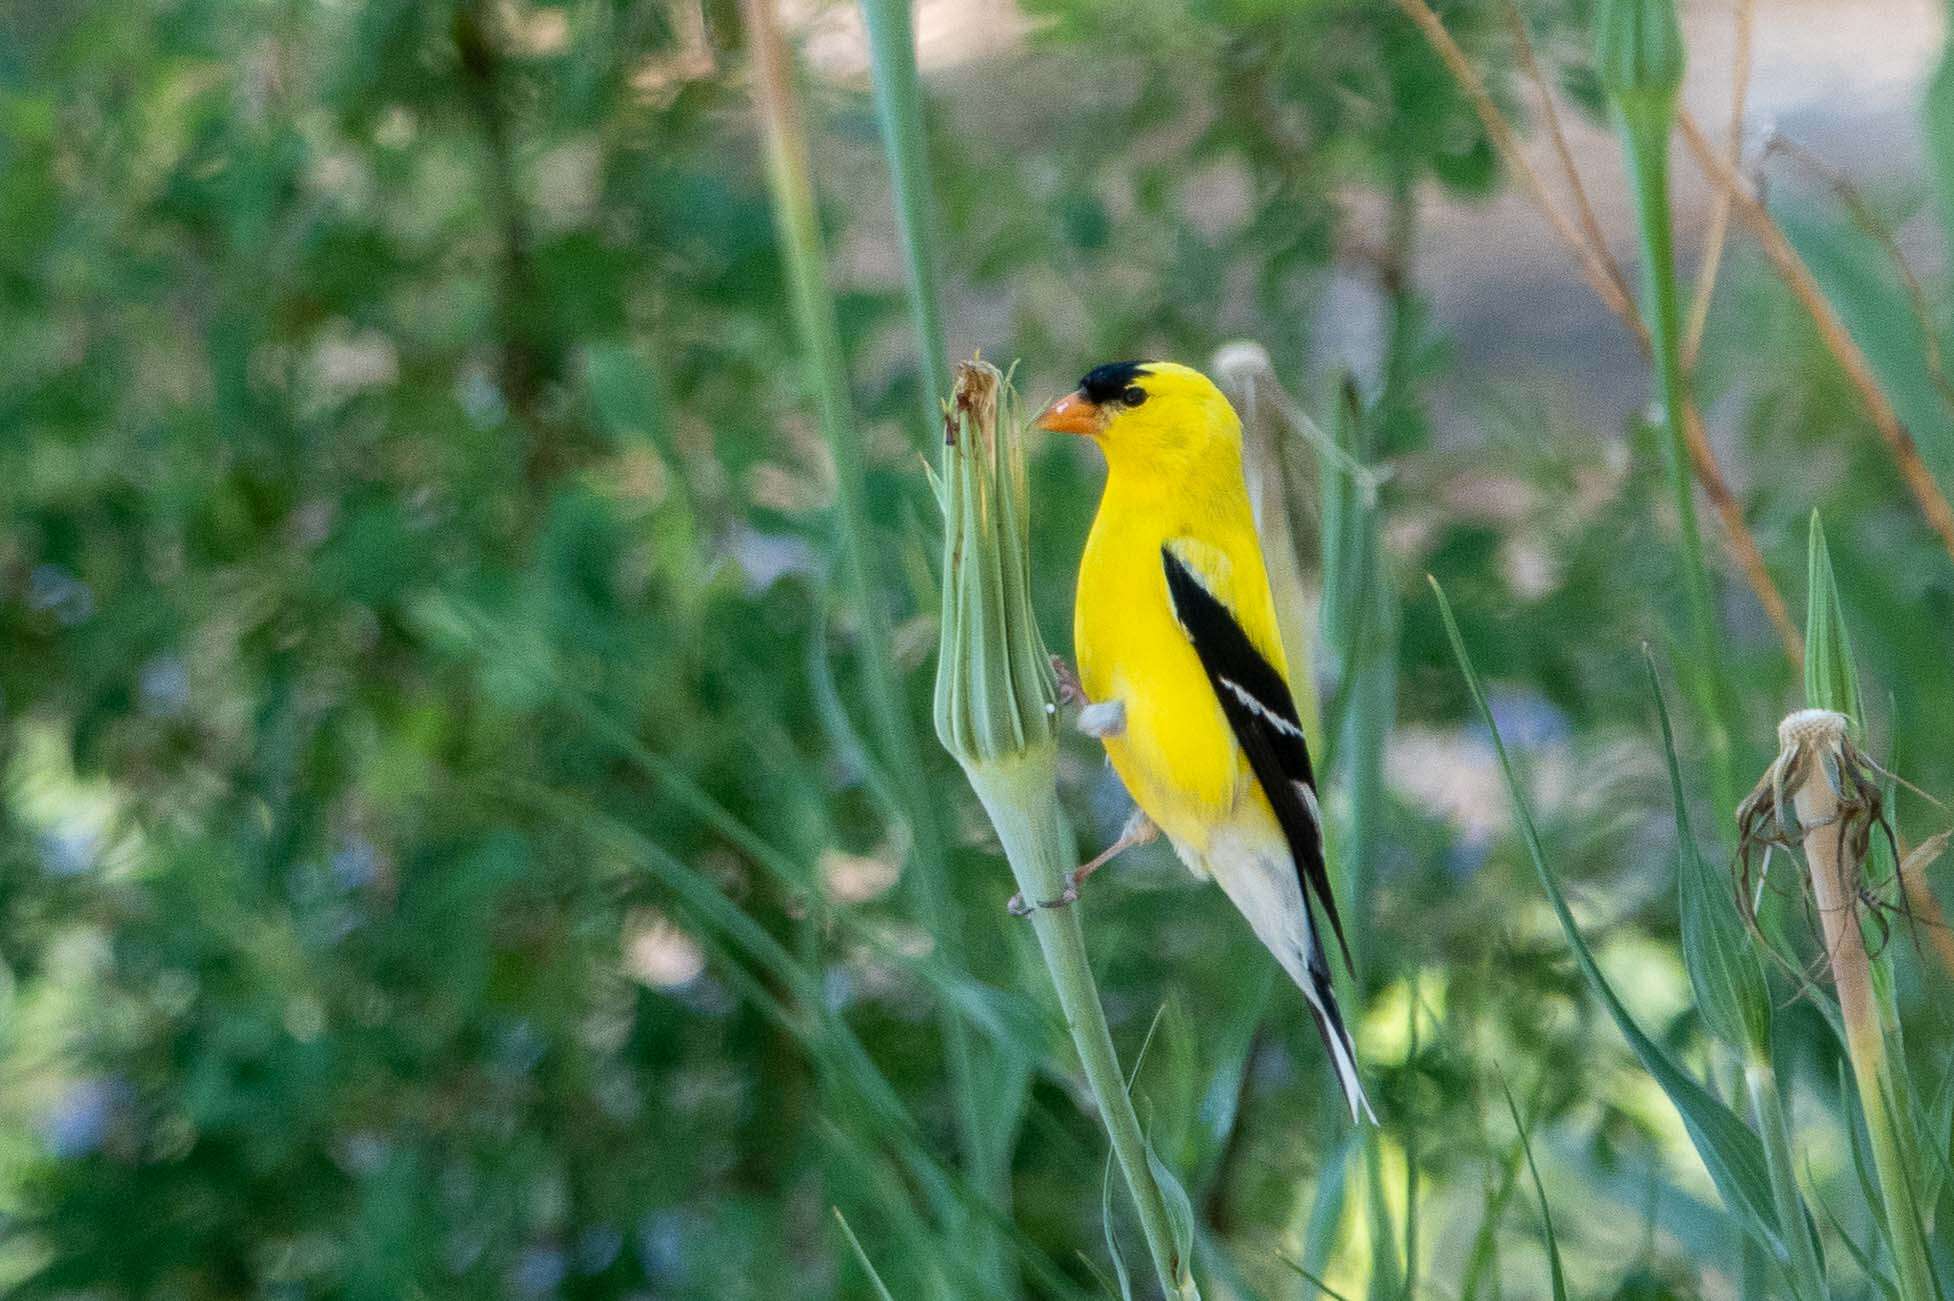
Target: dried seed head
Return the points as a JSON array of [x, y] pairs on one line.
[[1813, 728], [1821, 799]]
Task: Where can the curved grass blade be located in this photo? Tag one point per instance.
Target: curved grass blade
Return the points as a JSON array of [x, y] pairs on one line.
[[1313, 1280], [861, 1256], [1729, 1150], [1484, 1255], [1858, 1254], [1552, 1245], [1106, 1223], [1724, 971]]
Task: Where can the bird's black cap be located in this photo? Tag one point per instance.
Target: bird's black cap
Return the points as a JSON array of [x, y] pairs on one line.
[[1106, 383]]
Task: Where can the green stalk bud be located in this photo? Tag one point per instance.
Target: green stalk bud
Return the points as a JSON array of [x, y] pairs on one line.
[[996, 712], [1831, 679], [996, 695], [1638, 54]]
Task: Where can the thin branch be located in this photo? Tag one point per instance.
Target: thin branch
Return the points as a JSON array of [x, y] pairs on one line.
[[1869, 221], [1706, 274], [1737, 535], [1858, 371], [1609, 288], [1508, 145], [1523, 46]]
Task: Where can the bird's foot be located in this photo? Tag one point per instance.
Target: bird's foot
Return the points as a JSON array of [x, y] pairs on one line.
[[1069, 690], [1018, 907], [1139, 830], [1097, 718]]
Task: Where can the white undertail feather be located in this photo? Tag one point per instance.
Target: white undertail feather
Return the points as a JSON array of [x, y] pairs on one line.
[[1259, 876]]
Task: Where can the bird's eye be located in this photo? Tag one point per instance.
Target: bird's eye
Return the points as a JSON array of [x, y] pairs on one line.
[[1133, 396]]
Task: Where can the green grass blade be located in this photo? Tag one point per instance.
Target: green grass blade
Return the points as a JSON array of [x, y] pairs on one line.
[[1326, 1208], [1313, 1279], [1867, 1265], [1937, 1143], [1724, 970], [1729, 1150], [1831, 678], [1552, 1245], [1938, 120], [1106, 1224], [790, 182], [1387, 1281], [861, 1256], [899, 112], [1484, 1255]]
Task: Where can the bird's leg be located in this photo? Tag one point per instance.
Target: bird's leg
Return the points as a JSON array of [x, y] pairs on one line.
[[1139, 830], [1097, 718]]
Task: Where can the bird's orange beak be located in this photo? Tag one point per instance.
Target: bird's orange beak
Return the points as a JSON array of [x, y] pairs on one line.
[[1075, 413]]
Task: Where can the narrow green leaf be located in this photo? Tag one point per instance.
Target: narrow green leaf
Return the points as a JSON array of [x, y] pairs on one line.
[[1938, 120], [1724, 970], [1865, 1262], [1831, 678], [1315, 1280], [1937, 1143], [1729, 1150], [899, 113], [1106, 1225], [1484, 1255], [1554, 1273], [1862, 1161], [1857, 277], [1180, 1211], [1326, 1210], [861, 1257], [1386, 1281]]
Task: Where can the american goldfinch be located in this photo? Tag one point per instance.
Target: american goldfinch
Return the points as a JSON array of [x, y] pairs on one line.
[[1183, 669]]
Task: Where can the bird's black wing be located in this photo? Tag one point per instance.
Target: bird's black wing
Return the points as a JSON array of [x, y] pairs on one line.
[[1261, 713]]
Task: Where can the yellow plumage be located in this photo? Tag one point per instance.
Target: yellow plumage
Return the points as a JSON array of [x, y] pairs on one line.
[[1177, 755], [1197, 671]]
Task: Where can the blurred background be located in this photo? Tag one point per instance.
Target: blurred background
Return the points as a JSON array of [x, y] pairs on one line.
[[443, 849]]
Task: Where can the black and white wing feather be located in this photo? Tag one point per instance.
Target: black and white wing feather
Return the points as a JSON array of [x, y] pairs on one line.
[[1262, 715]]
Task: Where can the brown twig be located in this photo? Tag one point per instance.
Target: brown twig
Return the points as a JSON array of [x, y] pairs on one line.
[[1868, 221], [1706, 274], [1607, 283], [1858, 371], [1508, 146], [1523, 46], [1737, 535]]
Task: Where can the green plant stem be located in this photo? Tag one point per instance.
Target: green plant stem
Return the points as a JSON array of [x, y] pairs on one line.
[[1835, 874], [1021, 797], [899, 109], [1645, 144], [788, 176], [1767, 1104]]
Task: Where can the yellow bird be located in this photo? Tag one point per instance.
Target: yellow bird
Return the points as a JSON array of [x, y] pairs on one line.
[[1182, 672]]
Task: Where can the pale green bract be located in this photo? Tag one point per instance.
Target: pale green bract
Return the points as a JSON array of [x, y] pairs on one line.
[[996, 695]]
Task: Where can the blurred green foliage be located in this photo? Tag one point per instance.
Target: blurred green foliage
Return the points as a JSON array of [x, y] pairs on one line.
[[438, 856]]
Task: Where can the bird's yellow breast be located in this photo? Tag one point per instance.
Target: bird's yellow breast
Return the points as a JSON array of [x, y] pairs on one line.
[[1176, 755]]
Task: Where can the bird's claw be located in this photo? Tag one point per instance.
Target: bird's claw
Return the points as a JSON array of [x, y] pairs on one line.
[[1017, 906], [1069, 690]]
